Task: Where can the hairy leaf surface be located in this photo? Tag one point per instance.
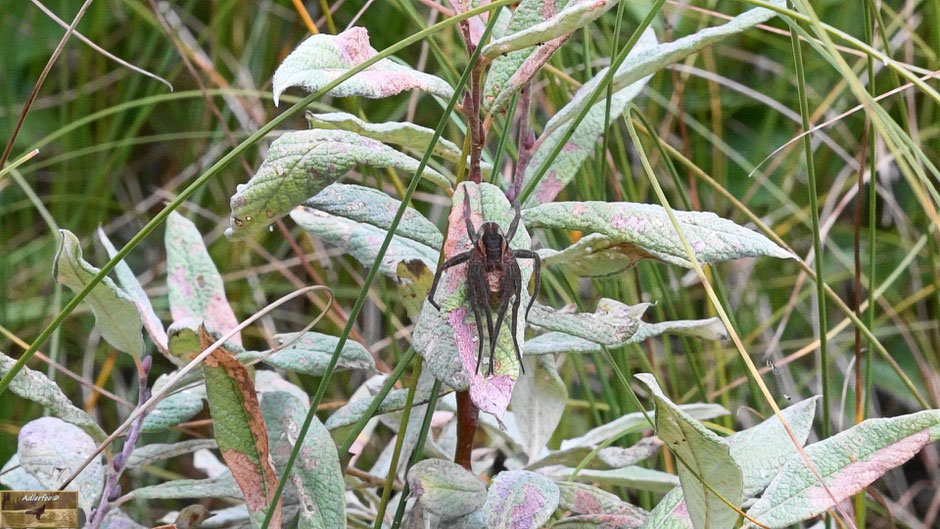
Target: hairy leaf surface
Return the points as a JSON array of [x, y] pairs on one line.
[[322, 58]]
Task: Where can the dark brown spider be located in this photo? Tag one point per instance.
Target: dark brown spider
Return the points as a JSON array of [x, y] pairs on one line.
[[493, 278]]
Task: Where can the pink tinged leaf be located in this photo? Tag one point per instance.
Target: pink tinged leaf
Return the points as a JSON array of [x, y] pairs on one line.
[[848, 462], [196, 289], [322, 58], [520, 499], [451, 352]]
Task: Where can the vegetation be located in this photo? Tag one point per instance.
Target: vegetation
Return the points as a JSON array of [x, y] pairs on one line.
[[713, 288]]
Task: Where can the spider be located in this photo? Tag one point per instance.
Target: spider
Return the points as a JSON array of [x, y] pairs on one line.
[[493, 278]]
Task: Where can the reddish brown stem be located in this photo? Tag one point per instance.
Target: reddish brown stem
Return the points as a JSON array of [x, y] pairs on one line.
[[467, 420]]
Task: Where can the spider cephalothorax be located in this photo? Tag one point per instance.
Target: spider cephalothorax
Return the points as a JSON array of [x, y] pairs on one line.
[[493, 279]]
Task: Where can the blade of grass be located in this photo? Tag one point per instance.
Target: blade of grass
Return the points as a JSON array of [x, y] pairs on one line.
[[797, 48]]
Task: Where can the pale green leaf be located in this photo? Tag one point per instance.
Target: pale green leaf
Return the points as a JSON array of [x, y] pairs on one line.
[[573, 16], [404, 134], [448, 339], [848, 462], [363, 241], [196, 289], [594, 255], [316, 474], [15, 477], [178, 407], [223, 486], [50, 449], [669, 513], [762, 450], [118, 519], [635, 422], [37, 387], [509, 72], [634, 477], [708, 458], [394, 401], [116, 314], [302, 163], [371, 206], [152, 453], [310, 354], [612, 324], [519, 499], [322, 58], [648, 228], [607, 458], [445, 488], [538, 402], [133, 288]]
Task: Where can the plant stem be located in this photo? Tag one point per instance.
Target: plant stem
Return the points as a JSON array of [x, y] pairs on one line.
[[468, 416]]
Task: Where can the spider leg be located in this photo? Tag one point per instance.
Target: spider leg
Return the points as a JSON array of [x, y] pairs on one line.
[[453, 261], [471, 231], [511, 232], [503, 307], [536, 274], [517, 288], [472, 286]]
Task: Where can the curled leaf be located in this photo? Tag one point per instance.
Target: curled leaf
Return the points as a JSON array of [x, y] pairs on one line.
[[322, 58], [116, 314], [635, 422], [302, 163], [705, 457], [581, 498], [196, 289], [647, 227], [509, 72], [612, 323], [634, 477], [132, 288], [571, 17], [608, 458], [519, 499], [448, 339], [446, 489]]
